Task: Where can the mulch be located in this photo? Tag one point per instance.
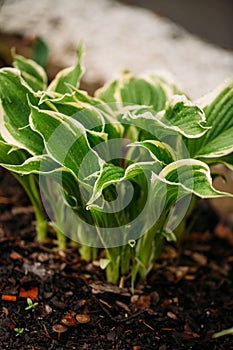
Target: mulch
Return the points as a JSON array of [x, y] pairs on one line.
[[186, 299]]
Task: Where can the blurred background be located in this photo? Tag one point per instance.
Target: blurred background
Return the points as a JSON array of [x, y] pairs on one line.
[[212, 20], [192, 40]]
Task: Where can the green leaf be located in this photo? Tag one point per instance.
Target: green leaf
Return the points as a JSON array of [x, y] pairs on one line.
[[40, 52], [31, 72], [69, 75], [10, 154], [107, 92], [169, 235], [104, 263], [150, 91], [109, 174], [35, 165], [226, 160], [159, 151], [43, 165], [65, 140], [191, 176], [224, 332], [15, 111], [218, 141], [184, 117], [112, 175], [179, 117]]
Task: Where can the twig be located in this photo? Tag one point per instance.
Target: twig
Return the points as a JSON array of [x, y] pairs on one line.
[[121, 320]]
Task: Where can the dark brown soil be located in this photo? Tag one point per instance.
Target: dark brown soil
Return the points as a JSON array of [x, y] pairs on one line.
[[187, 298]]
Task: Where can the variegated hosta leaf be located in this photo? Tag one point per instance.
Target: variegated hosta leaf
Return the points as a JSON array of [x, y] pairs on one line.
[[10, 154], [226, 160], [190, 176], [180, 116], [152, 91], [57, 102], [66, 104], [15, 111], [184, 117], [111, 174], [43, 165], [218, 141], [91, 112], [175, 181], [89, 116], [106, 110], [159, 151], [71, 75], [31, 72], [33, 165], [65, 140]]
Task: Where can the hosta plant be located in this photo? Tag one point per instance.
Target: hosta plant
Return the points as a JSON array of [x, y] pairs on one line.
[[117, 172]]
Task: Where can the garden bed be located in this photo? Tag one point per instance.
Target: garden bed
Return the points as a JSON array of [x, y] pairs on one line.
[[188, 296]]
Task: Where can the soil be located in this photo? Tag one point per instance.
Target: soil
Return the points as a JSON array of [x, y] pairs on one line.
[[186, 299]]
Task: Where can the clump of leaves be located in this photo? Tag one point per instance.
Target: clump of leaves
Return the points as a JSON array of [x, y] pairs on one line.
[[117, 171]]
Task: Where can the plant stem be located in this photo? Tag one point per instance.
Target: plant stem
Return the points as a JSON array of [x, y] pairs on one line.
[[88, 253], [29, 184], [113, 268], [125, 258], [181, 231], [149, 246]]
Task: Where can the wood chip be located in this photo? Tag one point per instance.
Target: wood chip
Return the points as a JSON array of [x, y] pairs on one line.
[[189, 277], [9, 297], [15, 256], [6, 200], [48, 309], [143, 302], [148, 326], [83, 318], [222, 231], [69, 319], [199, 258], [98, 288], [31, 293], [123, 306], [22, 210], [59, 328], [172, 315]]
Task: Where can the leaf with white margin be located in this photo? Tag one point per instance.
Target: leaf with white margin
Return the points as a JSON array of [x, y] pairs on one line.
[[152, 90], [111, 174], [10, 154], [15, 111], [191, 176], [71, 75], [186, 117], [31, 72], [32, 165], [180, 116], [159, 151], [218, 141], [89, 111], [65, 141], [43, 165]]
